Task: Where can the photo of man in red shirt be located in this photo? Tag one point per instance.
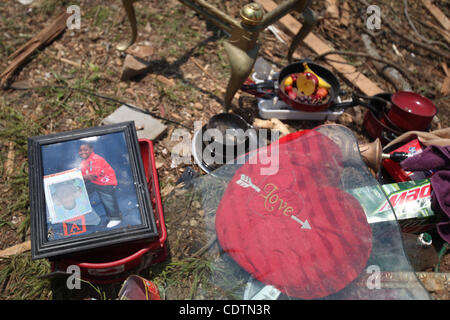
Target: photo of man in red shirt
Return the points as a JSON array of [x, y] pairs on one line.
[[100, 177]]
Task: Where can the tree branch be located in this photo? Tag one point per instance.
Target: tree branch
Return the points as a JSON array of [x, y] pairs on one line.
[[390, 74], [366, 55]]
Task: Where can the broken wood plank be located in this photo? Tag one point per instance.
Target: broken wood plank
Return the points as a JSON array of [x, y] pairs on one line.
[[337, 62], [332, 10], [345, 14], [203, 69], [440, 30], [17, 249], [166, 81], [440, 17], [43, 38]]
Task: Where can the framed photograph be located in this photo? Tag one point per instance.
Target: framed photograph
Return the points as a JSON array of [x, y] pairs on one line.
[[87, 190]]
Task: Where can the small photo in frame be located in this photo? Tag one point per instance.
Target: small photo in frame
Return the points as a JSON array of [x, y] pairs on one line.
[[87, 190], [66, 196]]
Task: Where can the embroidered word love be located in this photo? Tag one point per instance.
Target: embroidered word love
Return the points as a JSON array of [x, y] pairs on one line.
[[273, 201]]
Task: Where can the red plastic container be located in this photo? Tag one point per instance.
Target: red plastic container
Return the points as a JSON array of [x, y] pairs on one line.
[[113, 264], [394, 169], [411, 111]]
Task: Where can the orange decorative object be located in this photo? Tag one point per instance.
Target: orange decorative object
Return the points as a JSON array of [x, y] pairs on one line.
[[307, 83]]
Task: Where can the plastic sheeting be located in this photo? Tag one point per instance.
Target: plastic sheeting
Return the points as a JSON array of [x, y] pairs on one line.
[[287, 227]]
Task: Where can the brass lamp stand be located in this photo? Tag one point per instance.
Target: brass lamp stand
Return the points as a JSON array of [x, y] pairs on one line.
[[242, 47]]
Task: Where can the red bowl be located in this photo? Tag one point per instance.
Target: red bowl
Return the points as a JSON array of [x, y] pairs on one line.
[[411, 111]]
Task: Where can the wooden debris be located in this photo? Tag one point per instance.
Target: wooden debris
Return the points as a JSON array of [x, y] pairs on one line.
[[166, 81], [396, 30], [219, 85], [204, 70], [272, 124], [17, 249], [43, 38], [9, 163], [445, 88], [346, 119], [337, 62], [286, 39], [167, 190], [140, 51], [198, 106], [278, 34], [133, 67], [205, 248], [440, 30], [434, 281], [332, 10], [159, 165], [437, 14], [345, 14], [72, 63]]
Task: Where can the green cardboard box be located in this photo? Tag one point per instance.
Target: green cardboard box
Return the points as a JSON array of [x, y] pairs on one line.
[[411, 201]]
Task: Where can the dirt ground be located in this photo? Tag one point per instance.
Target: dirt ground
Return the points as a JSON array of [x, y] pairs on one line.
[[186, 80]]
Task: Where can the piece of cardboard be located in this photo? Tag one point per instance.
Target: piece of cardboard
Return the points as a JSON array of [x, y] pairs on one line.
[[148, 127]]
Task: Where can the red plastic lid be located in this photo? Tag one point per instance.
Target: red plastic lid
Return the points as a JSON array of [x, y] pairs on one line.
[[414, 103], [295, 229]]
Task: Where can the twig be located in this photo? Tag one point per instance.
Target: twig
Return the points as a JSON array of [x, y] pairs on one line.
[[415, 42], [204, 70], [41, 39], [9, 163], [437, 14], [366, 55], [91, 93], [441, 31], [72, 63], [202, 250], [387, 20], [417, 32], [17, 249]]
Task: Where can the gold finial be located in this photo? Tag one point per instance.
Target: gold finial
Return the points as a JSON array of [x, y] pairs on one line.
[[252, 13]]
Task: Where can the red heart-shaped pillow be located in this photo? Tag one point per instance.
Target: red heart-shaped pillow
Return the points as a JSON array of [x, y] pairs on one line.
[[306, 237]]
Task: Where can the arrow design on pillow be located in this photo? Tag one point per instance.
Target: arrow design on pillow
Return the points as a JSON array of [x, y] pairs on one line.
[[246, 181], [305, 224]]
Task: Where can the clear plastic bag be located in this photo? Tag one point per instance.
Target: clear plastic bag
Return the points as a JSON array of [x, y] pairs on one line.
[[285, 223]]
